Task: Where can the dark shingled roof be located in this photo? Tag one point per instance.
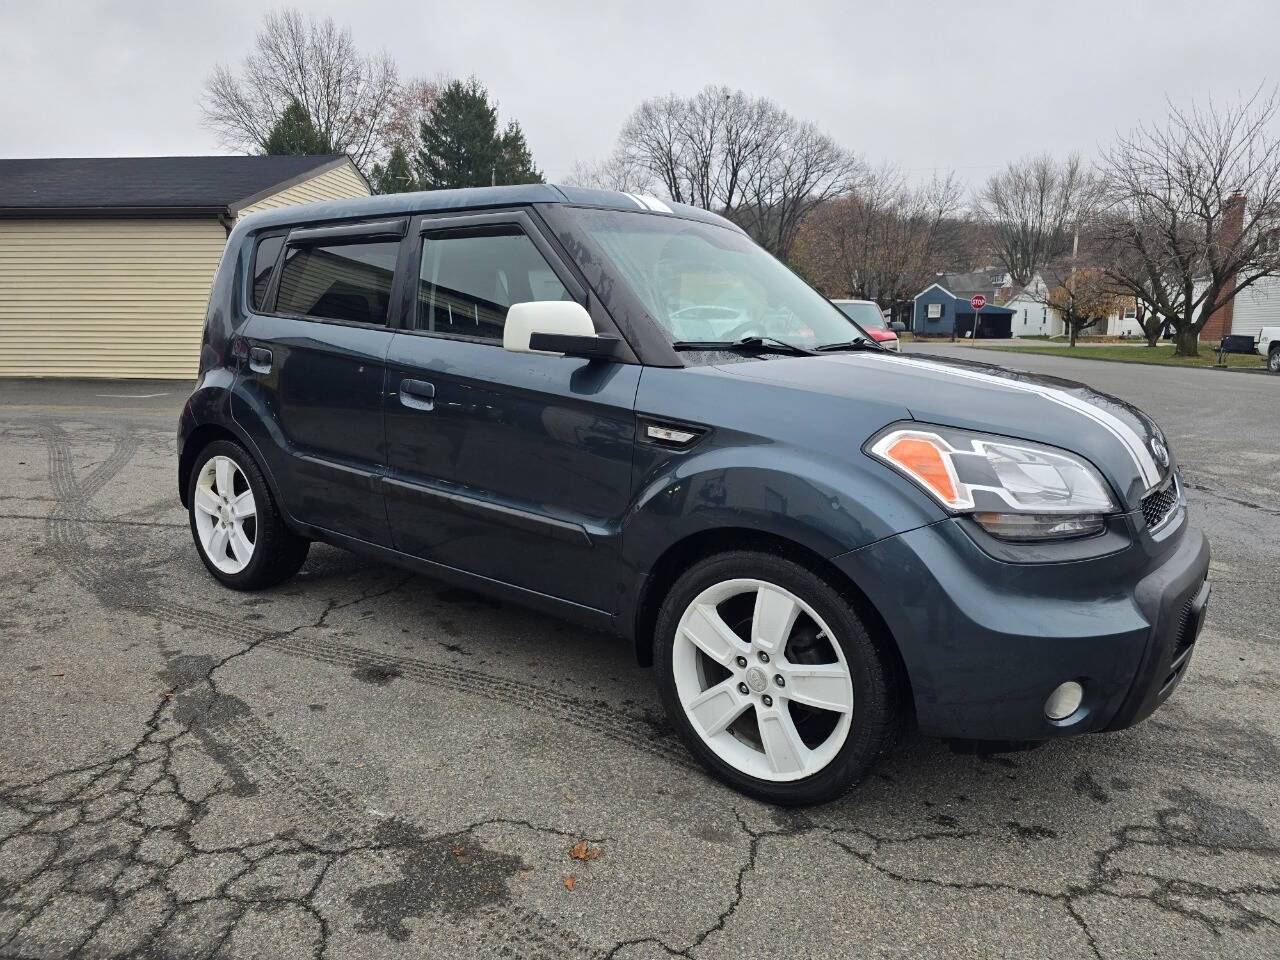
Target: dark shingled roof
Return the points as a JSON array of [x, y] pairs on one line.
[[210, 184]]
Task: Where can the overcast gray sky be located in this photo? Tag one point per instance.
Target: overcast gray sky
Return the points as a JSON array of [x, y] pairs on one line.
[[923, 83]]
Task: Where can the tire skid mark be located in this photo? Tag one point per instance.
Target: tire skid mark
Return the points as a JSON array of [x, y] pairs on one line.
[[144, 799]]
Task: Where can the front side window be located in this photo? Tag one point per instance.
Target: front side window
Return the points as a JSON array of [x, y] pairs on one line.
[[348, 281], [469, 277], [703, 282], [264, 262]]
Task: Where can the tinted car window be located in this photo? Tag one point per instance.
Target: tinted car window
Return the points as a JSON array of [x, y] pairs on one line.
[[468, 279], [264, 261], [347, 281]]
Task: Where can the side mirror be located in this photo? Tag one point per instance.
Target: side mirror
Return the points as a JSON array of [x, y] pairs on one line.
[[554, 326], [897, 326]]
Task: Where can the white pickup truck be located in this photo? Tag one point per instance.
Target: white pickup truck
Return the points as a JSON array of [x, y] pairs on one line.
[[1266, 345], [1269, 347]]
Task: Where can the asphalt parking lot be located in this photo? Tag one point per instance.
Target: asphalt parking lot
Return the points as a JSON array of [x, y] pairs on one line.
[[364, 763]]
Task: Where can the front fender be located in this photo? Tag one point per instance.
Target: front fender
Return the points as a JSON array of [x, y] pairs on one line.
[[826, 504]]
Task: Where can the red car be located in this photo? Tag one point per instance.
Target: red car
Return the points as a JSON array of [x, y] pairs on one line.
[[867, 315]]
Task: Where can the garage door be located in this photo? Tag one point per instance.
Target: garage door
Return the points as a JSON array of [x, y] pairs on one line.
[[105, 298]]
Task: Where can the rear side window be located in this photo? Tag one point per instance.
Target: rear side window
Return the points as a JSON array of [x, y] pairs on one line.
[[264, 262], [348, 281], [469, 278]]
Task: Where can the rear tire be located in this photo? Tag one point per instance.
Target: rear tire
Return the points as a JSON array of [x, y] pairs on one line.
[[236, 525], [783, 695]]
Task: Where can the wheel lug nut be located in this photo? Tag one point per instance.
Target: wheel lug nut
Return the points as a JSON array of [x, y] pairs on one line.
[[742, 661], [777, 678], [768, 700], [764, 657], [742, 688]]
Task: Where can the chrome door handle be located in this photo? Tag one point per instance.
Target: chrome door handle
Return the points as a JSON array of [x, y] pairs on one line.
[[260, 360]]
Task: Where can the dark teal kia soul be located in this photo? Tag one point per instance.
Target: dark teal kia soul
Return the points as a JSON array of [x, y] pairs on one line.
[[623, 412]]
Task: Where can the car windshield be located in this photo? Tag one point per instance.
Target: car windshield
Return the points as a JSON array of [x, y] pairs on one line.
[[706, 283], [865, 315]]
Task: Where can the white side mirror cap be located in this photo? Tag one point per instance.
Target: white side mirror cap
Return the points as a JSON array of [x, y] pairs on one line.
[[560, 317]]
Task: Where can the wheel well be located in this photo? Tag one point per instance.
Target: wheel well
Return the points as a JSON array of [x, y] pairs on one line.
[[680, 556], [199, 438]]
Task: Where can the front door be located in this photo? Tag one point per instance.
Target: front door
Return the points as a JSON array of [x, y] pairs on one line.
[[515, 467], [315, 372]]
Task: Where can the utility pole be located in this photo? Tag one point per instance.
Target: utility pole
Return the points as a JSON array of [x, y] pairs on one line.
[[1071, 287]]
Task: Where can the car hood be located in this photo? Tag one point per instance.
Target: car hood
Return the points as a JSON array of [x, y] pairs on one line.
[[1122, 441]]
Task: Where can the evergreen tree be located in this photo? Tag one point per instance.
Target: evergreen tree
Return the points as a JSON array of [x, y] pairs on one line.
[[396, 176], [295, 135], [516, 161], [461, 146]]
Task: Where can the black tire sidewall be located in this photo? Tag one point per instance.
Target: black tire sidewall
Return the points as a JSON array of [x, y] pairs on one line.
[[271, 536], [873, 717]]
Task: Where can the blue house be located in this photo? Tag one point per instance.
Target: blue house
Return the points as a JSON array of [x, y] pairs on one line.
[[939, 312]]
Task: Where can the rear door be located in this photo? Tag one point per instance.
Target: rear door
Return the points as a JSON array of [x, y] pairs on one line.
[[315, 372], [516, 467]]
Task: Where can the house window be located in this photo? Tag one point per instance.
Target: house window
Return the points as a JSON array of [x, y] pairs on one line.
[[1131, 313], [935, 311]]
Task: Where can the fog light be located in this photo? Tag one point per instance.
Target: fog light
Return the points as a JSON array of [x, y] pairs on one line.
[[1064, 701]]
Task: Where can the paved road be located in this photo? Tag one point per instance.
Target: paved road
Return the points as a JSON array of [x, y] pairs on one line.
[[363, 763]]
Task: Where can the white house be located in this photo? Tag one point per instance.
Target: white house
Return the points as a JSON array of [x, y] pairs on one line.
[[1257, 306], [1032, 315]]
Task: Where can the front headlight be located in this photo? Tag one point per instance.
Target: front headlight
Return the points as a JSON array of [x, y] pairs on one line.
[[1014, 489]]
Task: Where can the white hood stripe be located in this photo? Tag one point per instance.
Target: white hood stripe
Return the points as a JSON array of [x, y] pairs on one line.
[[1138, 451]]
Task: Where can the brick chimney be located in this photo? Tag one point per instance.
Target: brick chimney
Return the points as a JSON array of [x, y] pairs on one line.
[[1219, 324]]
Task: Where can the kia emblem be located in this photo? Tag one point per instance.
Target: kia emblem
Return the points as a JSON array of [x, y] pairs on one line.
[[1161, 451]]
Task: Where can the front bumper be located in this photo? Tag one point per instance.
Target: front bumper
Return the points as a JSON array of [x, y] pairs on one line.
[[986, 641]]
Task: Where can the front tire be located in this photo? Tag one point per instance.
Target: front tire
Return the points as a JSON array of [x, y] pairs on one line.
[[235, 523], [1273, 360], [772, 679]]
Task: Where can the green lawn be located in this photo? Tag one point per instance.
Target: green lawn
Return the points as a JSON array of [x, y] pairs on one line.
[[1130, 353]]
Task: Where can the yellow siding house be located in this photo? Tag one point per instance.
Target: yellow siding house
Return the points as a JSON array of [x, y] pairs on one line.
[[105, 263]]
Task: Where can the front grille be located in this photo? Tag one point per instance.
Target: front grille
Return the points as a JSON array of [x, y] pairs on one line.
[[1157, 505]]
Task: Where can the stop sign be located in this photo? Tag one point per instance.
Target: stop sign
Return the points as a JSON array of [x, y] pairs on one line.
[[978, 301]]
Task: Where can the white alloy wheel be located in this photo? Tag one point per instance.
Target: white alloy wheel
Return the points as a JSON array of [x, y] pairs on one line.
[[226, 515], [777, 707]]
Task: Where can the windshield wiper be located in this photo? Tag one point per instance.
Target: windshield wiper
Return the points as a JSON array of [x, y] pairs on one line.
[[860, 343], [754, 344]]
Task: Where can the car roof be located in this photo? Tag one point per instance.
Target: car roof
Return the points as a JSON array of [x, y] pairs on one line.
[[476, 198]]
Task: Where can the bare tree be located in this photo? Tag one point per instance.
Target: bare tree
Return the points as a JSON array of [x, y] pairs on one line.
[[1031, 209], [617, 172], [347, 94], [884, 239], [800, 169], [742, 156], [1193, 208], [1083, 294], [409, 107]]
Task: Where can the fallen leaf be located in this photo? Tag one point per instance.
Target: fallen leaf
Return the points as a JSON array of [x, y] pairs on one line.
[[584, 851], [525, 873], [570, 882], [459, 851]]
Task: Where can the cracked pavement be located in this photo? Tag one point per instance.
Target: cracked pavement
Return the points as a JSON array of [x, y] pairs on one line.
[[365, 763]]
